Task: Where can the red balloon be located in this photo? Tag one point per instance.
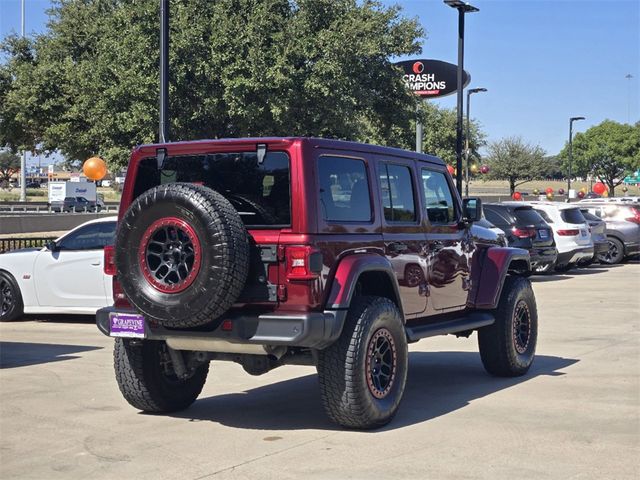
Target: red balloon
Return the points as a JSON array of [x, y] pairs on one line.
[[549, 190], [450, 169], [580, 194], [599, 188], [517, 196], [561, 191], [484, 169]]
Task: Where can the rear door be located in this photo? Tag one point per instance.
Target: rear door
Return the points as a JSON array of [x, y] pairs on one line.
[[73, 276], [402, 231], [448, 245]]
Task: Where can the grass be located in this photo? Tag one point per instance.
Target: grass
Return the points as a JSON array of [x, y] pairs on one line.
[[41, 195]]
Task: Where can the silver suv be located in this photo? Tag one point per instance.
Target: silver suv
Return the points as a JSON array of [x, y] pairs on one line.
[[623, 228]]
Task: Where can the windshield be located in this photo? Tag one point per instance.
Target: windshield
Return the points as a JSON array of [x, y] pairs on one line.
[[259, 192]]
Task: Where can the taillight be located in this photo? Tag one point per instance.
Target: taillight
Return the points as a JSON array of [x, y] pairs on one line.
[[303, 262], [109, 260], [636, 216], [119, 298], [568, 233], [524, 232]]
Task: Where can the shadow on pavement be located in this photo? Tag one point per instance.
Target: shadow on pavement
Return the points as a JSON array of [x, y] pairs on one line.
[[51, 318], [19, 354], [438, 383], [548, 278]]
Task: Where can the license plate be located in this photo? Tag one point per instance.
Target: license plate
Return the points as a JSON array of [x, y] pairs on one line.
[[128, 325], [543, 233]]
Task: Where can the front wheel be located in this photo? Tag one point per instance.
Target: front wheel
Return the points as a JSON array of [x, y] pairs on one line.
[[147, 379], [508, 347], [614, 254], [363, 374], [11, 306]]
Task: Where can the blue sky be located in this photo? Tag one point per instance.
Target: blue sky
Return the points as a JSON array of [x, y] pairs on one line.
[[542, 61]]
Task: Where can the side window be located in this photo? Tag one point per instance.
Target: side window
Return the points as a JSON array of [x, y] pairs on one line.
[[344, 189], [398, 199], [493, 217], [544, 215], [439, 202], [95, 236]]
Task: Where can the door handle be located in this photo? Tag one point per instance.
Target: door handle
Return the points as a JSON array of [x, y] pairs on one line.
[[96, 264]]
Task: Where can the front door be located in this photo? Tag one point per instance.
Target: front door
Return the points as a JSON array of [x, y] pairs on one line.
[[403, 234], [448, 244]]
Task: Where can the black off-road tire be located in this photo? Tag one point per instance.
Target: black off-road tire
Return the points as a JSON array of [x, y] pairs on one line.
[[146, 384], [347, 384], [615, 253], [11, 306], [209, 230], [508, 347]]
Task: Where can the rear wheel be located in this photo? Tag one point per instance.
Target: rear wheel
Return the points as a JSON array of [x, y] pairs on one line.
[[11, 306], [363, 374], [614, 254], [147, 379], [508, 347]]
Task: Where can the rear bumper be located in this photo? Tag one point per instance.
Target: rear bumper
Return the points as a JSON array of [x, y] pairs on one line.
[[572, 256], [309, 329], [543, 256]]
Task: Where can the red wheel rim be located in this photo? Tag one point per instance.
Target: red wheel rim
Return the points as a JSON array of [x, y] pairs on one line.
[[380, 366], [170, 255]]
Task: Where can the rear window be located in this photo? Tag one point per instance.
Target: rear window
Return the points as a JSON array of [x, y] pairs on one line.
[[259, 192], [528, 216], [589, 216], [572, 215], [545, 216]]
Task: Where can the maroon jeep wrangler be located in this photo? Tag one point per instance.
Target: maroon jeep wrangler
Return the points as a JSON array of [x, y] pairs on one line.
[[275, 251]]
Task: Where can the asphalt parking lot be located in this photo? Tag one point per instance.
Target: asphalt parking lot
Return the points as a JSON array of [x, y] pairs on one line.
[[575, 415]]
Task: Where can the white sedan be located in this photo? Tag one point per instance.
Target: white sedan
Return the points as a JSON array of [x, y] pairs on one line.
[[66, 276]]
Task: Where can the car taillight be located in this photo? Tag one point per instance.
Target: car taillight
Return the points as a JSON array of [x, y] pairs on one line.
[[109, 260], [524, 232], [568, 233], [303, 263], [636, 216], [119, 298]]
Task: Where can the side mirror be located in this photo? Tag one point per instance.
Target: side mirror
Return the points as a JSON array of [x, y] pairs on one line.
[[472, 209], [51, 246]]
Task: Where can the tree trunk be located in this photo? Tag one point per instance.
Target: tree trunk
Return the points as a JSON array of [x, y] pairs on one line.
[[512, 186]]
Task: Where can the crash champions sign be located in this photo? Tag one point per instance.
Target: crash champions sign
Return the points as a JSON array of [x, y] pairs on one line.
[[431, 78]]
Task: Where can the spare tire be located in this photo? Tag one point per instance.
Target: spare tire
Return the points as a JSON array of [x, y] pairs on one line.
[[182, 254]]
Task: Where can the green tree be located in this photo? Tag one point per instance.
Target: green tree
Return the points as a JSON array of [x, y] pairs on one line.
[[9, 164], [238, 68], [516, 161], [609, 151], [439, 133]]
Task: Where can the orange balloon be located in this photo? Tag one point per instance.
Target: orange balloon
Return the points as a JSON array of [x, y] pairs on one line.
[[94, 168]]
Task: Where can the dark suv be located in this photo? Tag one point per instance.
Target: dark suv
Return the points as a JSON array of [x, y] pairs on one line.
[[525, 228], [275, 251]]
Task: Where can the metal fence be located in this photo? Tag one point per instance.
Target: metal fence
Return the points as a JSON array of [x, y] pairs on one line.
[[8, 244]]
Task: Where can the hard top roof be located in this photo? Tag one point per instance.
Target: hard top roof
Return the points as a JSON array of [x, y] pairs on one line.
[[325, 143]]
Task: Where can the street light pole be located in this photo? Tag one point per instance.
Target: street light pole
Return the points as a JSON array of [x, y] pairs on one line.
[[462, 8], [571, 120], [23, 158], [468, 134], [418, 131]]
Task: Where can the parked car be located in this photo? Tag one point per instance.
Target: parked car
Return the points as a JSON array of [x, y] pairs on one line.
[[486, 224], [570, 231], [524, 228], [610, 200], [598, 235], [32, 185], [622, 229], [77, 205], [66, 276], [274, 251]]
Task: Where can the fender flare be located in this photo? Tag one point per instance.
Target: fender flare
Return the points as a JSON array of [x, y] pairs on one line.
[[349, 270], [495, 268]]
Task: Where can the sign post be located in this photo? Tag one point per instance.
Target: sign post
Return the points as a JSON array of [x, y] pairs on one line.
[[430, 79]]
